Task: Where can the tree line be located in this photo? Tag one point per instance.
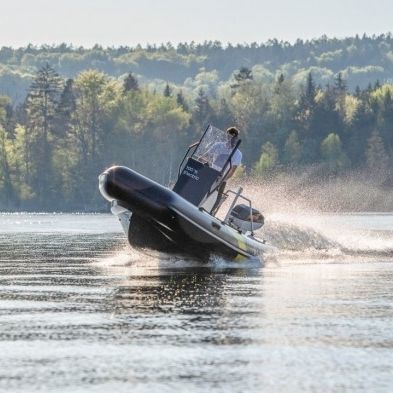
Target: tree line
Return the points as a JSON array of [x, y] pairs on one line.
[[67, 131], [360, 59]]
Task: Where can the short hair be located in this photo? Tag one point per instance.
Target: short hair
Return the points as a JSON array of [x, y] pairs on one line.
[[233, 131]]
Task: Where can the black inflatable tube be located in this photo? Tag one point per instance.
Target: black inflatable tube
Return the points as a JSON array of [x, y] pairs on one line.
[[136, 192]]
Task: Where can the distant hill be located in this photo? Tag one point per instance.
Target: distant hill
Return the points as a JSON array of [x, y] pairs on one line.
[[361, 61]]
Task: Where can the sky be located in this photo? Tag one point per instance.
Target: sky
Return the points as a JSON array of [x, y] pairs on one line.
[[129, 22]]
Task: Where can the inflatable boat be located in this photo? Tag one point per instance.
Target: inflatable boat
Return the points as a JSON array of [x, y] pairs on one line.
[[184, 219]]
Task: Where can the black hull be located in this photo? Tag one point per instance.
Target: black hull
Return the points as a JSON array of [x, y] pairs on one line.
[[147, 233], [164, 221]]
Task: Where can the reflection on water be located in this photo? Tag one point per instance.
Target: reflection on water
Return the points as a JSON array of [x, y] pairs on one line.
[[80, 311]]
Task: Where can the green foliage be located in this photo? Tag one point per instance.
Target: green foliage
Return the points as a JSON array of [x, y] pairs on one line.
[[205, 80], [360, 60], [130, 83], [203, 111], [268, 160], [41, 108], [292, 149], [378, 96], [54, 144], [332, 152], [377, 158], [167, 91]]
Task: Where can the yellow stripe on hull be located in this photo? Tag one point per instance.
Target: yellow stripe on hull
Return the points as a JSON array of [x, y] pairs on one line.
[[243, 246]]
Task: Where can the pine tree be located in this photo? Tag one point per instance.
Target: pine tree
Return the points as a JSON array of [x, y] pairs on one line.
[[307, 97], [130, 83], [358, 132], [377, 158], [167, 91], [279, 84], [203, 110], [306, 108], [223, 116], [41, 105], [181, 101], [310, 90], [339, 84], [65, 108]]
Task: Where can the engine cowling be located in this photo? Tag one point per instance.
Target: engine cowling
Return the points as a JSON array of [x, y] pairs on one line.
[[245, 219]]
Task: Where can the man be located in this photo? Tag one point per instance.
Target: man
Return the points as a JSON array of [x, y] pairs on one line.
[[220, 152]]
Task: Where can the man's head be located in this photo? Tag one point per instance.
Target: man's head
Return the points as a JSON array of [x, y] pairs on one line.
[[233, 135]]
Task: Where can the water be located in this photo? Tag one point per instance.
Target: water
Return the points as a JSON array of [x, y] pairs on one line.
[[81, 312]]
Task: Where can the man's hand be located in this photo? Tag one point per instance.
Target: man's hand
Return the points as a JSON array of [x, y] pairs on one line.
[[231, 172]]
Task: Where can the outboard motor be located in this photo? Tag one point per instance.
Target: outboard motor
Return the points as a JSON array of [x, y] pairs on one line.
[[240, 218]]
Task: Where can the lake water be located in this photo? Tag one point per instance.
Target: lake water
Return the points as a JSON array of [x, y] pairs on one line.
[[82, 312]]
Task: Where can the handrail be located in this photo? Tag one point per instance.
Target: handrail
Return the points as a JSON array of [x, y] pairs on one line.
[[188, 150], [237, 196]]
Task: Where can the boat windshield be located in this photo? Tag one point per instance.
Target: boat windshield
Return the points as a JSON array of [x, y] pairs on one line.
[[214, 148]]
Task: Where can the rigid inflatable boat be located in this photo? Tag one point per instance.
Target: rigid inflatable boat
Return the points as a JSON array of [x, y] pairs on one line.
[[183, 219]]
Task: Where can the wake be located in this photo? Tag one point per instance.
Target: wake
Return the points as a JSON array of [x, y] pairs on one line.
[[324, 236]]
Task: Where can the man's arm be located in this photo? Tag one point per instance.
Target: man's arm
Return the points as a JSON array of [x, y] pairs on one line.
[[231, 172], [236, 161]]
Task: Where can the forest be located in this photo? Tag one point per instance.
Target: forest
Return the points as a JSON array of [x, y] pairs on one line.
[[68, 113]]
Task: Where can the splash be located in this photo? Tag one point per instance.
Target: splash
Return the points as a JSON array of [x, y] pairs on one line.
[[310, 191], [325, 219], [319, 221]]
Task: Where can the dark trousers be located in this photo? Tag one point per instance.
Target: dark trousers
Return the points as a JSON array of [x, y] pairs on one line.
[[220, 195]]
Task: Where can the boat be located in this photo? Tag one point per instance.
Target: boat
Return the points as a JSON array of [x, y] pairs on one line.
[[183, 218]]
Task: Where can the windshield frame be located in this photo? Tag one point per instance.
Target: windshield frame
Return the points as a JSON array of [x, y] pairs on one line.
[[205, 150]]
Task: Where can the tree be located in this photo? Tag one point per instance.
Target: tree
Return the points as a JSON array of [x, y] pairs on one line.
[[339, 84], [326, 117], [282, 110], [385, 120], [7, 192], [223, 117], [203, 110], [130, 83], [292, 149], [279, 84], [358, 132], [243, 76], [267, 161], [41, 105], [332, 152], [306, 107], [308, 94], [167, 91], [65, 109], [181, 101], [377, 158], [96, 98]]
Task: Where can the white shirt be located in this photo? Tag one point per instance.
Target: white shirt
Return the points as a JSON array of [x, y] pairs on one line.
[[221, 151]]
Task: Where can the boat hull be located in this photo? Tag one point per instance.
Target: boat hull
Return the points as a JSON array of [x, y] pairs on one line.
[[163, 220]]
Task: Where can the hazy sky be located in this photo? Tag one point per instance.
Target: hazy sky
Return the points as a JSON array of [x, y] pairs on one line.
[[128, 22]]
